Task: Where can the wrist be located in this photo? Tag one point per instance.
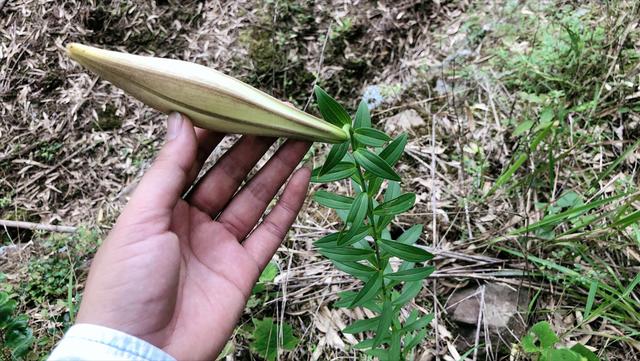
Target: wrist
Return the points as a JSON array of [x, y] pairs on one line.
[[94, 342]]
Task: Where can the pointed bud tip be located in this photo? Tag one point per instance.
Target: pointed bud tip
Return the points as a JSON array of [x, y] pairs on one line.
[[74, 50]]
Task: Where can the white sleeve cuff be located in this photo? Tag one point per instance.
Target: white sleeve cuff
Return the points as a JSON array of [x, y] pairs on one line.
[[91, 342]]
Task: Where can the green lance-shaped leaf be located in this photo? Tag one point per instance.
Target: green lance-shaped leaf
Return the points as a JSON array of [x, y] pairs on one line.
[[379, 354], [374, 164], [355, 269], [396, 206], [332, 200], [364, 344], [340, 171], [417, 324], [337, 152], [330, 109], [358, 210], [371, 137], [362, 325], [392, 153], [345, 254], [374, 185], [385, 322], [405, 251], [415, 340], [409, 291], [411, 235], [352, 235], [395, 346], [363, 117], [211, 99], [369, 291], [414, 274], [330, 240], [393, 190]]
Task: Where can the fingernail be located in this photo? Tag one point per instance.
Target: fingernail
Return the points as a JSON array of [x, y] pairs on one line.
[[174, 124]]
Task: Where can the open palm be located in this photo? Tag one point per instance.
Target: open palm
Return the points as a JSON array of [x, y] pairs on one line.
[[177, 272]]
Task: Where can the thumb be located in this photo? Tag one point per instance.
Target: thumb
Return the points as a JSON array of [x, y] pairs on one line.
[[164, 182]]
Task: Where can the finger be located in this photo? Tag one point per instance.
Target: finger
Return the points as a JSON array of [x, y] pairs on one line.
[[266, 238], [246, 208], [207, 141], [216, 187], [162, 185]]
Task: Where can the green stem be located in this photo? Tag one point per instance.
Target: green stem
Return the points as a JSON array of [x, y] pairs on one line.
[[377, 234]]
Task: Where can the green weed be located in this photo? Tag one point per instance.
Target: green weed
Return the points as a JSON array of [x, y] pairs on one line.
[[15, 335], [541, 342], [269, 337]]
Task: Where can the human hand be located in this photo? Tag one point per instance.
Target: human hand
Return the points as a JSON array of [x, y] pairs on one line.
[[178, 272]]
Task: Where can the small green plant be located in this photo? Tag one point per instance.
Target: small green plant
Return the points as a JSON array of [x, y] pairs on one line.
[[267, 335], [48, 151], [261, 292], [15, 335], [541, 343], [265, 338], [364, 246], [5, 201]]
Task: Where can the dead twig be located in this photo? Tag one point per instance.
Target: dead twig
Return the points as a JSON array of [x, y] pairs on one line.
[[315, 81], [5, 223]]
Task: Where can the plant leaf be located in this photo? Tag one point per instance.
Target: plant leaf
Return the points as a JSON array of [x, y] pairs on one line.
[[418, 324], [393, 190], [329, 240], [529, 345], [545, 334], [363, 117], [332, 200], [405, 251], [562, 354], [385, 322], [269, 273], [374, 185], [355, 269], [358, 210], [414, 274], [523, 128], [396, 206], [362, 345], [330, 109], [368, 291], [593, 289], [394, 347], [362, 325], [337, 152], [374, 164], [409, 291], [413, 342], [584, 352], [371, 137], [353, 235], [345, 254], [341, 170], [265, 338], [411, 235], [392, 153]]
